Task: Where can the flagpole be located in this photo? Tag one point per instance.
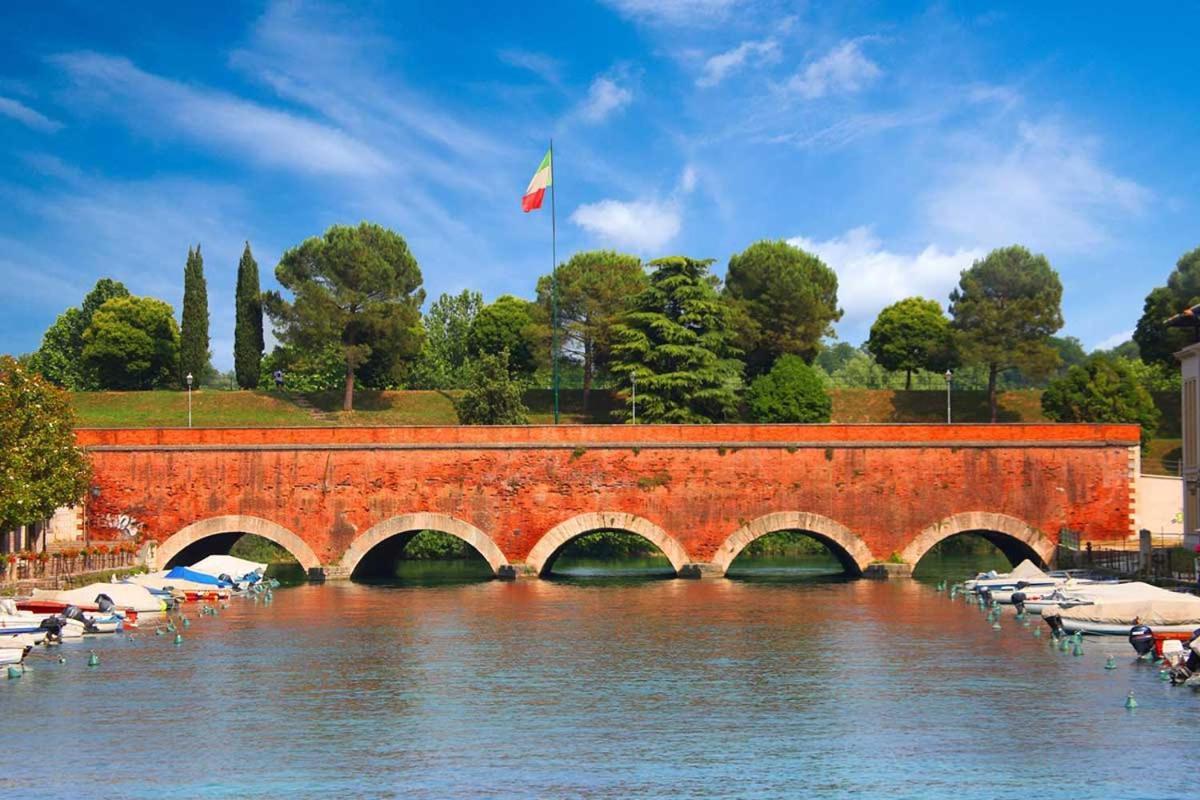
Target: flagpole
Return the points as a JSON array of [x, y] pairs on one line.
[[553, 282]]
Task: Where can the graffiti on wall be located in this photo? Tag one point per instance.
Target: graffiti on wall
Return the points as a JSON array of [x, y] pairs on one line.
[[129, 526]]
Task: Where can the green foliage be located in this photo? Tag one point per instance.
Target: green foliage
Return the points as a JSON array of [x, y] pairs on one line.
[[194, 358], [791, 392], [912, 334], [1157, 343], [593, 288], [316, 371], [494, 396], [610, 545], [832, 358], [444, 362], [786, 543], [675, 339], [248, 342], [357, 288], [263, 551], [60, 358], [40, 466], [1005, 309], [509, 324], [783, 301], [132, 343], [1103, 389]]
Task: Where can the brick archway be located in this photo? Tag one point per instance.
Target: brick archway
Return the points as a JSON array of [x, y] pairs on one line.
[[1028, 538], [542, 555], [846, 546], [425, 521], [236, 523]]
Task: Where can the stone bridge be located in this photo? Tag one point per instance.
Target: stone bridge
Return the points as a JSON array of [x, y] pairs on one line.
[[700, 493]]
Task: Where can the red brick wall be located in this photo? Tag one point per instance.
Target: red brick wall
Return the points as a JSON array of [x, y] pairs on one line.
[[699, 483]]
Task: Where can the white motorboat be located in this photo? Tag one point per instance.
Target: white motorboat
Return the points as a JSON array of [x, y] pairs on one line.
[[12, 655], [1070, 592], [239, 569], [1026, 573], [1161, 610]]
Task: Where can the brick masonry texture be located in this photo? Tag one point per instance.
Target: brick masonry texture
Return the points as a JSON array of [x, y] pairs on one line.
[[699, 484]]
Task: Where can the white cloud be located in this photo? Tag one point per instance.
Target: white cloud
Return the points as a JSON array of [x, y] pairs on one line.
[[1109, 343], [843, 70], [688, 180], [14, 109], [1047, 191], [674, 12], [545, 67], [870, 276], [720, 66], [265, 135], [605, 97], [640, 225]]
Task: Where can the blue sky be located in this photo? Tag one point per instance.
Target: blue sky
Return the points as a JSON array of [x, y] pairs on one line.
[[899, 141]]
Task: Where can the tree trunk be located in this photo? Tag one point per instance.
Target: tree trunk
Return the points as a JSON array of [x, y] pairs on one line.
[[588, 366], [908, 380], [348, 397], [992, 371]]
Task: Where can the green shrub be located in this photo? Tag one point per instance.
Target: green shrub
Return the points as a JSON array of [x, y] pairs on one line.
[[791, 392]]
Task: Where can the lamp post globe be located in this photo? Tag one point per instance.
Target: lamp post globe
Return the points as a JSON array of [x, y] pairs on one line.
[[188, 378]]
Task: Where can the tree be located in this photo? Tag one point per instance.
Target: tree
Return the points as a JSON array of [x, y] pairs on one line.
[[912, 334], [676, 341], [133, 343], [494, 395], [248, 342], [784, 301], [194, 358], [60, 358], [1156, 342], [357, 287], [41, 468], [1103, 389], [791, 392], [445, 358], [1005, 309], [511, 324], [593, 288]]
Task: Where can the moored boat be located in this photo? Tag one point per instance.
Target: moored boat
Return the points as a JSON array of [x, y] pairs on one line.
[[1164, 612]]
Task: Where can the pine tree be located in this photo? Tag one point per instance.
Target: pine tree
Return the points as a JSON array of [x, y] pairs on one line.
[[676, 340], [248, 328], [193, 337]]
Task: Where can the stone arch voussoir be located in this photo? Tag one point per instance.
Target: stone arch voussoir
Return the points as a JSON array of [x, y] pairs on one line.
[[542, 554], [854, 552], [236, 523], [423, 521], [984, 521]]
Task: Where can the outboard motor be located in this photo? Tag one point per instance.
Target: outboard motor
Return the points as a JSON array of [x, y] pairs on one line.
[[1018, 601], [227, 578], [73, 612], [105, 604], [1053, 617], [986, 594], [53, 626], [1142, 639]]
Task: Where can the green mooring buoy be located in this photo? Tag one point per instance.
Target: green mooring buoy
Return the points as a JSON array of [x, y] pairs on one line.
[[1111, 663], [187, 623], [1164, 674], [93, 659], [1037, 633], [1130, 703], [1078, 651], [179, 638]]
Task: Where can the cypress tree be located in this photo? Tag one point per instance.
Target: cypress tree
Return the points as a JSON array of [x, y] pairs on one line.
[[193, 334], [248, 328]]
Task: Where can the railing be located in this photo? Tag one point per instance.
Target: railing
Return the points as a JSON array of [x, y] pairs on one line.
[[1166, 560], [44, 566]]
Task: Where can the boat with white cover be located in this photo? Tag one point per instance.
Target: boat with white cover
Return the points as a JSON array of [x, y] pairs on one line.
[[239, 569], [1026, 572], [12, 655], [124, 596], [1162, 610]]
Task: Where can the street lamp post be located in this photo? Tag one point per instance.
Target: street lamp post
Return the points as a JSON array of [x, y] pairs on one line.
[[189, 383], [948, 376], [633, 377]]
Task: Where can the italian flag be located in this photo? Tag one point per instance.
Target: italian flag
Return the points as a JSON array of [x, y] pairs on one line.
[[536, 190]]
